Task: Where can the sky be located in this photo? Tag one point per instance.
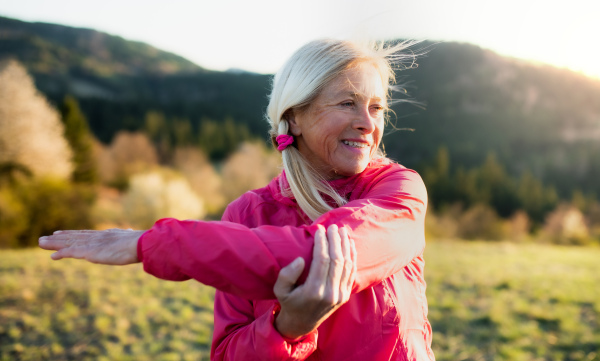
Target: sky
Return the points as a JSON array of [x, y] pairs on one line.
[[259, 35]]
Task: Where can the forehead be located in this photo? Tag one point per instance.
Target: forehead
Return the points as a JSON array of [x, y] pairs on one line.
[[362, 81]]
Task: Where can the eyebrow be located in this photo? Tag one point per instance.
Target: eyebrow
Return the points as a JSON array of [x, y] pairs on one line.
[[357, 95]]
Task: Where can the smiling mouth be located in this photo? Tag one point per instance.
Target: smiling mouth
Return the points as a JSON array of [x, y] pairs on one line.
[[355, 144]]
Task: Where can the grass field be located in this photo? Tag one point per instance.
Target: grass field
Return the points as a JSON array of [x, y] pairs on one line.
[[503, 301], [488, 301]]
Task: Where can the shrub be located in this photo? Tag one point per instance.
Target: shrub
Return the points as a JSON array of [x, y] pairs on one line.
[[41, 206], [13, 220], [566, 225], [480, 222], [443, 224], [159, 194], [202, 176], [251, 166]]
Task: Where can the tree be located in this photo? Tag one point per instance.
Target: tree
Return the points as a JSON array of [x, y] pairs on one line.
[[438, 180], [497, 188], [203, 178], [219, 139], [31, 133], [536, 199], [182, 132], [155, 125], [251, 166], [78, 135], [129, 153]]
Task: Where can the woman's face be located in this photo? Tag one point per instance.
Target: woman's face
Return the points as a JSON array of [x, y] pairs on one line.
[[341, 129]]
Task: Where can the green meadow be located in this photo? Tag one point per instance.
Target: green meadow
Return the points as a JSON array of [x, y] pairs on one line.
[[507, 301], [487, 301]]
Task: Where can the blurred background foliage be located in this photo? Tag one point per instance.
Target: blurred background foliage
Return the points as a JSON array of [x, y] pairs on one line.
[[99, 132], [507, 149]]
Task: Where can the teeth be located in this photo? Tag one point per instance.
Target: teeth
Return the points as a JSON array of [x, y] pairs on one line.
[[354, 144]]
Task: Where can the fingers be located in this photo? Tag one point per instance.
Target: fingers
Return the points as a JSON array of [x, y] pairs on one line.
[[319, 268], [61, 239], [287, 278], [347, 267], [327, 287], [336, 265], [54, 243], [69, 252], [75, 231], [354, 257]]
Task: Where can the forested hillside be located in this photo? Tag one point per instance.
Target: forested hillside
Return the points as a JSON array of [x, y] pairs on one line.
[[533, 117]]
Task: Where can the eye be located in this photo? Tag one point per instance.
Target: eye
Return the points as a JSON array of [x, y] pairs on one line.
[[348, 103], [376, 108]]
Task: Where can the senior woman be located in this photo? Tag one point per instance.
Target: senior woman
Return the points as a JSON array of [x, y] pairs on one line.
[[363, 296]]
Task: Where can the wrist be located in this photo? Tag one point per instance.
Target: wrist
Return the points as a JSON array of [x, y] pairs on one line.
[[130, 242], [136, 246], [285, 325]]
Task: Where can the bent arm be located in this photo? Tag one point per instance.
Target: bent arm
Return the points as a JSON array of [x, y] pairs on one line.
[[239, 336], [386, 224]]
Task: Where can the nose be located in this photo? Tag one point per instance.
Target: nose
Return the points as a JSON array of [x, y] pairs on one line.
[[364, 121]]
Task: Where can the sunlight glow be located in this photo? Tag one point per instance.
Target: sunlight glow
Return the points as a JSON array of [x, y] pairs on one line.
[[259, 35]]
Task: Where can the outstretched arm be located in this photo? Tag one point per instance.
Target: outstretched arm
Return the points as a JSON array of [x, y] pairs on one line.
[[386, 223]]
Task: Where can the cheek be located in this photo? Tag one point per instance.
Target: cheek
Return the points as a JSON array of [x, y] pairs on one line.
[[322, 140], [329, 143], [378, 133], [327, 134]]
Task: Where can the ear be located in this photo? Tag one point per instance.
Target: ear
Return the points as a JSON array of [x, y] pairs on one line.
[[290, 116]]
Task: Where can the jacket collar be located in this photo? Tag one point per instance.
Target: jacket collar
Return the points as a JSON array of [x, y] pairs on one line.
[[280, 188]]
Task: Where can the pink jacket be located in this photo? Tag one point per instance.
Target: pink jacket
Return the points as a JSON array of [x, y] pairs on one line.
[[263, 231]]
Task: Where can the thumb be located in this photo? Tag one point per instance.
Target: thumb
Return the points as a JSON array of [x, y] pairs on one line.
[[287, 278]]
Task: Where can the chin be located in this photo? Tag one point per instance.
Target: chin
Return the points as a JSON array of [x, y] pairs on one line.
[[352, 170]]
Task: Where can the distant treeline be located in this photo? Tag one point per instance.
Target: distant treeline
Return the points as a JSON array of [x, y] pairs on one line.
[[490, 185], [534, 119], [164, 172]]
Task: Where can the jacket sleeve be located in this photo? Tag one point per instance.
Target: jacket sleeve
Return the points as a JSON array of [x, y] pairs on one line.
[[387, 225], [238, 336]]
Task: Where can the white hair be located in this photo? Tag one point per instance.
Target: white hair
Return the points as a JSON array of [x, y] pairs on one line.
[[299, 82]]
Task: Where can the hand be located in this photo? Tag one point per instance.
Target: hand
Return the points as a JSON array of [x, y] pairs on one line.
[[327, 287], [112, 246]]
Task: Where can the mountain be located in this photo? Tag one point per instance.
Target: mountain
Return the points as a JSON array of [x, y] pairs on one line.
[[59, 50], [533, 117]]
